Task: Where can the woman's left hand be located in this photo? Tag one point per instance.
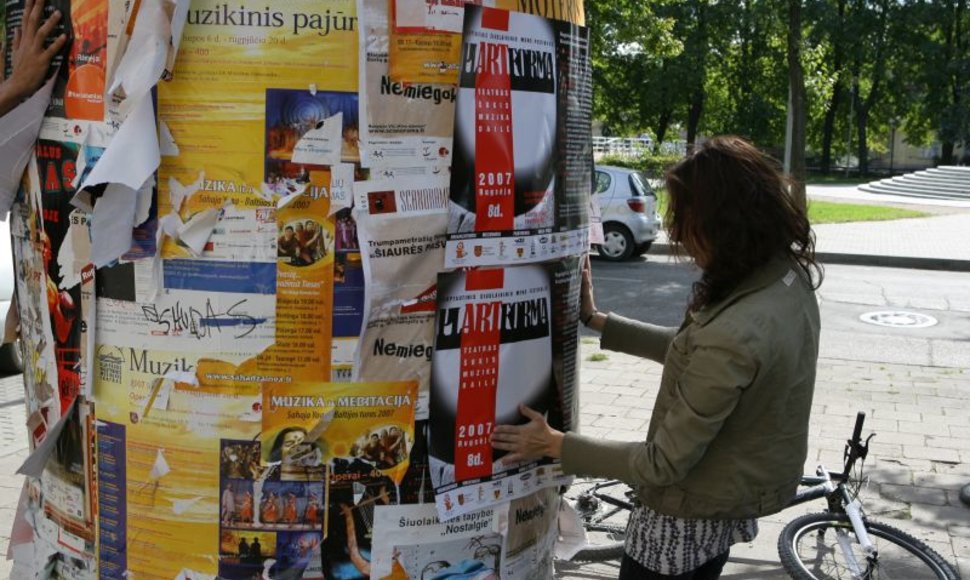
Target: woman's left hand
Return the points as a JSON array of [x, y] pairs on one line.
[[534, 440]]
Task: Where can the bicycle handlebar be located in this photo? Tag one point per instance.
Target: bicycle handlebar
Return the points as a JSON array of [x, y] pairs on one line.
[[860, 418]]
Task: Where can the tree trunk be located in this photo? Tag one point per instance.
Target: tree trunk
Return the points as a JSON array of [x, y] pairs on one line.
[[694, 114], [796, 82], [946, 154], [828, 127], [862, 123], [660, 131]]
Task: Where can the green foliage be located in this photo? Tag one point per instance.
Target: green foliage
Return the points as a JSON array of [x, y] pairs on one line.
[[653, 166], [870, 66], [598, 357]]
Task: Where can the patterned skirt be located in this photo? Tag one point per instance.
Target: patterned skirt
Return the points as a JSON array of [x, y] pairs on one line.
[[670, 545]]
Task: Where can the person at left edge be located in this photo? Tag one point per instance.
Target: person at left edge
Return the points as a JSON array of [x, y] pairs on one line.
[[30, 58]]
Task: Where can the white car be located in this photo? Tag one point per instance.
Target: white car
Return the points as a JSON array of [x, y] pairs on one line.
[[629, 208], [11, 360]]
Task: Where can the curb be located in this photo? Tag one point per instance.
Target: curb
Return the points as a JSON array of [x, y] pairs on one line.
[[939, 264]]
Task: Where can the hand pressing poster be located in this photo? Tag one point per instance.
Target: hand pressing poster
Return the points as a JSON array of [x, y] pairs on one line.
[[522, 146], [495, 350]]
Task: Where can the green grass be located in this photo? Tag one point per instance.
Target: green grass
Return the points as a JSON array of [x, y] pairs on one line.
[[826, 212], [598, 357]]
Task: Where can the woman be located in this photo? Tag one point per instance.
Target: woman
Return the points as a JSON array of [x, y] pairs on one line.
[[728, 435]]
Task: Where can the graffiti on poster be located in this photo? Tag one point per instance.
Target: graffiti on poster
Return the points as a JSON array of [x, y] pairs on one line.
[[521, 172]]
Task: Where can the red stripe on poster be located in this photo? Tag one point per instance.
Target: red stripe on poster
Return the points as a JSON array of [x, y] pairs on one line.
[[477, 389], [495, 19], [484, 279], [494, 165]]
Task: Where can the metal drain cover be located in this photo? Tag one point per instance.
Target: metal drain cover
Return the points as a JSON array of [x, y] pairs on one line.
[[898, 319]]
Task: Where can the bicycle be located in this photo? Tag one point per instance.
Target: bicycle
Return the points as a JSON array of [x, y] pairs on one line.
[[841, 542]]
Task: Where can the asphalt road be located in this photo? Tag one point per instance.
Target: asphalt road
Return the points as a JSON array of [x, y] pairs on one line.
[[655, 289]]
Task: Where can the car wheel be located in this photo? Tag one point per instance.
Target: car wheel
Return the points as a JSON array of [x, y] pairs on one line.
[[643, 248], [617, 243], [11, 360]]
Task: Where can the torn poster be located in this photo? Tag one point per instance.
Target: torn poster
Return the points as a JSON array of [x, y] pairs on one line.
[[523, 154], [401, 225]]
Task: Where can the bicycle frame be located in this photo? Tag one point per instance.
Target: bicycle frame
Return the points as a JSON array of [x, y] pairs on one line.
[[832, 486]]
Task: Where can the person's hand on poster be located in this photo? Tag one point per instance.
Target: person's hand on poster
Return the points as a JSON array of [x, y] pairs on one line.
[[534, 440], [29, 58], [588, 314]]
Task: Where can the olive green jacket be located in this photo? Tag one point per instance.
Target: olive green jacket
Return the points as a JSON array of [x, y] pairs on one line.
[[729, 432]]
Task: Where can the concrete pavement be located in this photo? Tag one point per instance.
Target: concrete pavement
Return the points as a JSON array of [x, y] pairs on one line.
[[920, 457]]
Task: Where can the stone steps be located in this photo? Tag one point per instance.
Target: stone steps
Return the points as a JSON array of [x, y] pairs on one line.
[[947, 182]]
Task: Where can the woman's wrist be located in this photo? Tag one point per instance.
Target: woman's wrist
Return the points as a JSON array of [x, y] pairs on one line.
[[595, 320], [554, 447]]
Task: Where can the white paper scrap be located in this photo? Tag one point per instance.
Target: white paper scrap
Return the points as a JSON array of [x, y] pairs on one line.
[[180, 506], [187, 574], [322, 145], [143, 201], [111, 224], [18, 133], [144, 60], [160, 469], [166, 142], [35, 463], [178, 193], [132, 157], [196, 232]]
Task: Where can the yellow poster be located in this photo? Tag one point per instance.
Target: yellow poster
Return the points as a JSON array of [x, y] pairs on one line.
[[159, 423], [306, 426], [246, 79]]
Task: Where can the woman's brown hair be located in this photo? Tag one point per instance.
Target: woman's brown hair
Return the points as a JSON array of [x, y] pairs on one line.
[[730, 209]]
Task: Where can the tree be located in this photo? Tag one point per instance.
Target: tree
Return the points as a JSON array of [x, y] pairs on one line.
[[797, 105]]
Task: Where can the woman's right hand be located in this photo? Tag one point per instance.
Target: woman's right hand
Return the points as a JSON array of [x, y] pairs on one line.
[[587, 305]]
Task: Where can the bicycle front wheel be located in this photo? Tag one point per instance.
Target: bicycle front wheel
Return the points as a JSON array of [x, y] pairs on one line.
[[810, 550], [604, 509]]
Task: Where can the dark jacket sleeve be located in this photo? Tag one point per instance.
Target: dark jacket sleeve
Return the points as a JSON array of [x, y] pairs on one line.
[[637, 338]]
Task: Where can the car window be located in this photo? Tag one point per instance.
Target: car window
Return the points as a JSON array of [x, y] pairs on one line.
[[603, 181], [639, 185]]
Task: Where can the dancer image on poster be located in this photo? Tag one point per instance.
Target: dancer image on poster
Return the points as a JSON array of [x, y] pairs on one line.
[[246, 513], [289, 510], [311, 515], [228, 505], [269, 511]]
